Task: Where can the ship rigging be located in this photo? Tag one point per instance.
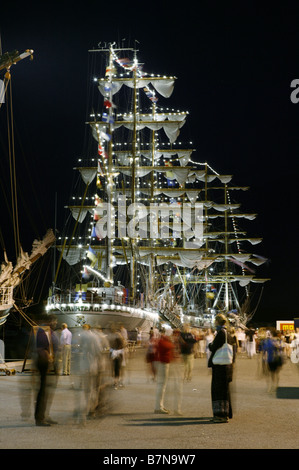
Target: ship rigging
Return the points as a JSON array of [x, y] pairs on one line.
[[164, 240], [12, 276]]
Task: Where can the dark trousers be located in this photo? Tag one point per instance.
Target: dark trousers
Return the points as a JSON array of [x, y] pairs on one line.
[[117, 366], [41, 399], [221, 401]]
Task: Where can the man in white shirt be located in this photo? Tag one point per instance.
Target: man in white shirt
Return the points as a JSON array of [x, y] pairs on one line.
[[66, 342]]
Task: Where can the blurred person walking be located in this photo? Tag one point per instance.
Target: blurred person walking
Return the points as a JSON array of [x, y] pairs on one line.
[[187, 349], [125, 358], [294, 346], [288, 341], [209, 339], [234, 341], [272, 355], [250, 342], [151, 355], [99, 380], [84, 370], [164, 355], [242, 340], [221, 375], [200, 343], [176, 371], [66, 348], [117, 345], [46, 360]]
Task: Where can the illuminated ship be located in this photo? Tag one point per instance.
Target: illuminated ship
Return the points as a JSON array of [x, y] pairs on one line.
[[153, 236]]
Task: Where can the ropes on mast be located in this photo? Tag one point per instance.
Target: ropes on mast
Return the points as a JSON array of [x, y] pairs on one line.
[[25, 316], [12, 166], [6, 61]]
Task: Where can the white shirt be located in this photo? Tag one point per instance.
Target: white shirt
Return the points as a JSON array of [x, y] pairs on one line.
[[66, 337]]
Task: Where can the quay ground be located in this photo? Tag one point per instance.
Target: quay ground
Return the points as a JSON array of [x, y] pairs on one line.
[[262, 420]]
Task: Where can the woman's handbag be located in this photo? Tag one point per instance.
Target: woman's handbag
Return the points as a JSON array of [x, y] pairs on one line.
[[224, 355]]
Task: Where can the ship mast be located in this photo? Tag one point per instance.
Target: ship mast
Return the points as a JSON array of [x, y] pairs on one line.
[[226, 252], [109, 261], [134, 148], [109, 187], [207, 242], [151, 284]]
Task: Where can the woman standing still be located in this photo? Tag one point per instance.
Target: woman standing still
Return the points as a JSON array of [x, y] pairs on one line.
[[221, 375]]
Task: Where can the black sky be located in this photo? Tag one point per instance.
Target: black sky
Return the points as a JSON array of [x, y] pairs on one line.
[[234, 62]]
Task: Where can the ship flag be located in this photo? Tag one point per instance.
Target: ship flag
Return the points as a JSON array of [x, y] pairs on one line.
[[243, 265], [107, 118], [125, 62], [105, 136], [107, 103]]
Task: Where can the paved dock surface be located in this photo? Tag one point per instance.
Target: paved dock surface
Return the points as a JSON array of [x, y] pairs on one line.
[[261, 420]]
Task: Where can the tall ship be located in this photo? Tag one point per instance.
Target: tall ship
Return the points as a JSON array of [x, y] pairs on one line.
[[13, 272], [152, 235]]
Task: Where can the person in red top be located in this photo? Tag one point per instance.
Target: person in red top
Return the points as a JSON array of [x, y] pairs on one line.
[[151, 354], [165, 354]]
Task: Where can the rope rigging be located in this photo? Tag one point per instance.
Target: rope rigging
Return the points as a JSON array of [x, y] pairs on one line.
[[12, 166], [6, 61]]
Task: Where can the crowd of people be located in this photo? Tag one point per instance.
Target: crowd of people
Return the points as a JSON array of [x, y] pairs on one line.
[[96, 362], [171, 354]]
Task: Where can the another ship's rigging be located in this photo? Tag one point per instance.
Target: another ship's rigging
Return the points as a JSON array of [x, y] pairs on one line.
[[12, 277]]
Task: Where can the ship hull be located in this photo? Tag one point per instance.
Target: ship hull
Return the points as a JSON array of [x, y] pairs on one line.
[[131, 320], [4, 313]]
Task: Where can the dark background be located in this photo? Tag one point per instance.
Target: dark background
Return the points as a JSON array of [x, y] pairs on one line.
[[234, 62]]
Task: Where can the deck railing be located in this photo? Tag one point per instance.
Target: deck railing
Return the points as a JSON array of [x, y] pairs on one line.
[[6, 296]]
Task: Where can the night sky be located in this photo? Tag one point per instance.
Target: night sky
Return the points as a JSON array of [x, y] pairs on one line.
[[234, 61]]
